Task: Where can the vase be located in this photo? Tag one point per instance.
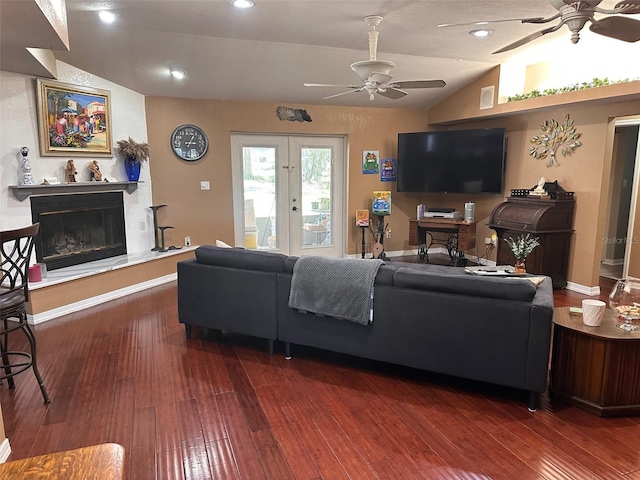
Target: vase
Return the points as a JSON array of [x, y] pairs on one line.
[[132, 167], [519, 267]]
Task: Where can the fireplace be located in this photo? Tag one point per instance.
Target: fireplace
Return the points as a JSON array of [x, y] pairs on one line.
[[81, 228]]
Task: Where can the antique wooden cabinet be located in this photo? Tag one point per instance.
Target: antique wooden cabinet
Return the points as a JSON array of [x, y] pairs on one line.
[[549, 219]]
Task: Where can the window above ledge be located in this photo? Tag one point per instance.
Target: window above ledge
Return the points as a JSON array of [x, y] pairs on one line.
[[22, 192]]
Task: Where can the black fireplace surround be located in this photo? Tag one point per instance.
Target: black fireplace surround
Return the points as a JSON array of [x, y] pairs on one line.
[[76, 229]]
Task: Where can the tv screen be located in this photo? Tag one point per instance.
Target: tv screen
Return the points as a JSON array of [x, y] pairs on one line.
[[454, 161]]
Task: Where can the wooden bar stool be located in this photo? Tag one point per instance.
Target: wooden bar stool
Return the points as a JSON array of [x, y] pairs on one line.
[[15, 251]]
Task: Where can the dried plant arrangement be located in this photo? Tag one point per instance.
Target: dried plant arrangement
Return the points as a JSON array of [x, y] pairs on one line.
[[131, 149]]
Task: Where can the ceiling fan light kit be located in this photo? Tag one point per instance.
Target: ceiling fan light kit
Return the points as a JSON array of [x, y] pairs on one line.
[[375, 75]]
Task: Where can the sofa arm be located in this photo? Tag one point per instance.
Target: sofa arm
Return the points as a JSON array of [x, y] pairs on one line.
[[222, 298], [540, 328]]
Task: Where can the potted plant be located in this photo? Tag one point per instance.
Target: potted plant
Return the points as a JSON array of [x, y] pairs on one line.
[[521, 247], [134, 153]]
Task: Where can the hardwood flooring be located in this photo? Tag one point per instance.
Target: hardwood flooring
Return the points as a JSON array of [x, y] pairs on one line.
[[218, 407]]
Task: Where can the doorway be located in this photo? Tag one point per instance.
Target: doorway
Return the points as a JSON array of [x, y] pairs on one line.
[[288, 193], [623, 195]]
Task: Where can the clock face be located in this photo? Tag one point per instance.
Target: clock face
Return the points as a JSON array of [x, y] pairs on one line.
[[189, 142]]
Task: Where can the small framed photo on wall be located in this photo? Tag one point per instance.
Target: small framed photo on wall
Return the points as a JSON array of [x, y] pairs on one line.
[[370, 161]]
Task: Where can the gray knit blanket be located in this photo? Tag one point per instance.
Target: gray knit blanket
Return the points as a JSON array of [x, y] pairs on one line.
[[335, 287]]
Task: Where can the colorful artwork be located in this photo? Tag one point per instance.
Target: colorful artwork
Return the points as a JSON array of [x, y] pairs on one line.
[[388, 170], [381, 203], [370, 161], [362, 218], [73, 119]]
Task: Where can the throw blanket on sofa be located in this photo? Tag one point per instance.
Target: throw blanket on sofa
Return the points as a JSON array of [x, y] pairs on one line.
[[335, 287]]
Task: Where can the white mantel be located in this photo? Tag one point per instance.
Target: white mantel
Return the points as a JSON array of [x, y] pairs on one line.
[[19, 127]]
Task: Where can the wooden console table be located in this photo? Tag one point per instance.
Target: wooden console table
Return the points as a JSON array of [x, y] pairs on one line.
[[461, 235], [99, 462], [596, 368]]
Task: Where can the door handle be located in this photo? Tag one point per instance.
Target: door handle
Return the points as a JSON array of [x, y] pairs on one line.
[[294, 208]]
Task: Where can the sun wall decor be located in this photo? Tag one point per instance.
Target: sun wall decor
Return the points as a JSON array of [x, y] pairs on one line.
[[555, 135]]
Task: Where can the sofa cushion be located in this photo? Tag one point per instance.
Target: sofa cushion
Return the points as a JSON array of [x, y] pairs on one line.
[[385, 274], [289, 263], [502, 288], [240, 258]]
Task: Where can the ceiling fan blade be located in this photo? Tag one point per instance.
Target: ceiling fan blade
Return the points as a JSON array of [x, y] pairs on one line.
[[330, 85], [486, 22], [620, 28], [419, 84], [527, 39], [392, 93], [344, 93], [629, 7], [379, 77]]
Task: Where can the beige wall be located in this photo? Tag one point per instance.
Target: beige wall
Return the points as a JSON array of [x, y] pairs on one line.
[[207, 215], [587, 173]]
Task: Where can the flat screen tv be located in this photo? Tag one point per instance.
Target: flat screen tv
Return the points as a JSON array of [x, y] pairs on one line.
[[454, 161]]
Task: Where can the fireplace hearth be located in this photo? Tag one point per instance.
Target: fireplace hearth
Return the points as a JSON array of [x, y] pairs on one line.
[[76, 229]]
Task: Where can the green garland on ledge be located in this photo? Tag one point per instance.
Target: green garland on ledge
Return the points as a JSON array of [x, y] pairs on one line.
[[596, 82]]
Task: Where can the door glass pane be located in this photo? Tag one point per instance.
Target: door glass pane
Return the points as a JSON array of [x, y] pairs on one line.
[[315, 191], [259, 187]]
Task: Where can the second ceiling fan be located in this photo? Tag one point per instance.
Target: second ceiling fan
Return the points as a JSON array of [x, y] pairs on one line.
[[374, 73], [575, 14]]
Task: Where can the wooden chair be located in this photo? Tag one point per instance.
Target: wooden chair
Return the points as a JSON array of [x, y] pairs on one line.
[[15, 252]]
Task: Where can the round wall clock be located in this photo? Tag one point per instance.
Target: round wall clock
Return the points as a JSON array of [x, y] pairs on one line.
[[189, 142]]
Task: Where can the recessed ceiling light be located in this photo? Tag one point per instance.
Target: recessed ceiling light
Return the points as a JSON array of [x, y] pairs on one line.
[[242, 3], [480, 33], [107, 17], [178, 74]]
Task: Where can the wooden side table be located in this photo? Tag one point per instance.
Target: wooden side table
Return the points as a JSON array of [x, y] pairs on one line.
[[99, 462], [595, 368]]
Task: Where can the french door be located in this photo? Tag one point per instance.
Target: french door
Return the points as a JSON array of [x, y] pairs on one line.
[[288, 193]]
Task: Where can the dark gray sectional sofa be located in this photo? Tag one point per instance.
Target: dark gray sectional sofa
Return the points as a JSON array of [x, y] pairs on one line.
[[430, 317]]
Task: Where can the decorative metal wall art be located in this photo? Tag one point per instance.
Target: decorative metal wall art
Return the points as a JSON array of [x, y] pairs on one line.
[[555, 136], [293, 114]]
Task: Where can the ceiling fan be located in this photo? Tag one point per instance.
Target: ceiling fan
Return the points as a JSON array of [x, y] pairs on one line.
[[374, 73], [575, 14]]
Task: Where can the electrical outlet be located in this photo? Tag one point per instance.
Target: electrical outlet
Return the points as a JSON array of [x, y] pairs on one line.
[[187, 241], [487, 240], [205, 185], [494, 240], [388, 233]]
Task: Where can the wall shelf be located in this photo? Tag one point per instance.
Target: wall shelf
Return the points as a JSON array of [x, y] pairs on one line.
[[464, 108], [22, 192]]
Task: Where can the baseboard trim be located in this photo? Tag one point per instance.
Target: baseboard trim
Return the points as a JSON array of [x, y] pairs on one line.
[[414, 252], [583, 289], [613, 262], [5, 450], [97, 300], [400, 253]]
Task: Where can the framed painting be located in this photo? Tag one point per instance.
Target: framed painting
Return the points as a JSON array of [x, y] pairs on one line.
[[73, 120]]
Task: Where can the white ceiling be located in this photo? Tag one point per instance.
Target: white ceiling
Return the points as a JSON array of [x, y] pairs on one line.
[[266, 53]]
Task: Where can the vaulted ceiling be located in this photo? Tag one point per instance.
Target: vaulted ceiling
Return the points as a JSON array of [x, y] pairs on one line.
[[268, 52]]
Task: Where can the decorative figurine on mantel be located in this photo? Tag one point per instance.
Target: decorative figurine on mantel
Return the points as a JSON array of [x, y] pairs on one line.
[[71, 171], [539, 190], [25, 168], [94, 170]]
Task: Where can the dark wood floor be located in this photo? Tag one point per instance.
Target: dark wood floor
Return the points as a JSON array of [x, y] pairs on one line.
[[221, 407]]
